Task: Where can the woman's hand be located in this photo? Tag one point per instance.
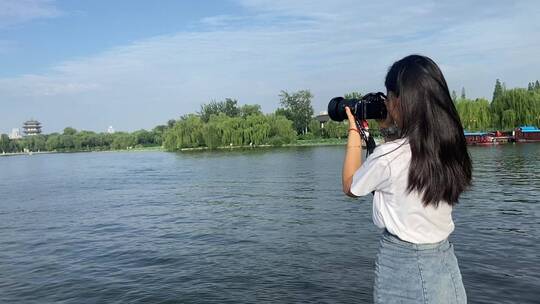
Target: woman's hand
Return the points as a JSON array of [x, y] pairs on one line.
[[351, 118], [353, 153]]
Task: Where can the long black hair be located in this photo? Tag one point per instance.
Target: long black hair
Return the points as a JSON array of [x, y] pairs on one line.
[[440, 167]]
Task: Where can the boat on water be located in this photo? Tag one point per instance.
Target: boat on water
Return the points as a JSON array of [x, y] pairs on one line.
[[478, 138], [521, 134], [527, 134]]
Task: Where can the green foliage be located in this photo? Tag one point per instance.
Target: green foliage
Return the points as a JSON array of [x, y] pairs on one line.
[[222, 130], [247, 110], [508, 119], [53, 142], [282, 128], [353, 95], [157, 134], [297, 108], [334, 129], [36, 143], [186, 133], [211, 134], [212, 108], [307, 136], [224, 123], [123, 140], [283, 112], [230, 129], [315, 128], [5, 144], [374, 127], [71, 140], [67, 141], [497, 92], [276, 141], [256, 129], [474, 114], [70, 131], [508, 109], [144, 138], [87, 139], [229, 107], [516, 107]]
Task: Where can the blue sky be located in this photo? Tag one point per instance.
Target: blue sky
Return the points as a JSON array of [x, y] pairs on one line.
[[136, 64]]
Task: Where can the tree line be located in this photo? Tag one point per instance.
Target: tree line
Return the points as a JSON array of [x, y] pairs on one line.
[[508, 109], [71, 140], [226, 123]]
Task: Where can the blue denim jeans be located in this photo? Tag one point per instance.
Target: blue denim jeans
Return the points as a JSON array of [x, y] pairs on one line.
[[417, 273]]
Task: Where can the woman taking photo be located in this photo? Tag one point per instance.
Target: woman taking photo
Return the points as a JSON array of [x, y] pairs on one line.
[[416, 178]]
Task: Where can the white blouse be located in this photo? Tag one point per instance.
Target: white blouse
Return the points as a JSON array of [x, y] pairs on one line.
[[386, 172]]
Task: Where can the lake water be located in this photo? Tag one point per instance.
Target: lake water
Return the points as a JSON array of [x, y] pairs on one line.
[[259, 226]]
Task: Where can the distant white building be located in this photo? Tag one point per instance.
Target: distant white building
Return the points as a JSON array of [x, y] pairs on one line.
[[15, 134], [323, 117], [110, 130]]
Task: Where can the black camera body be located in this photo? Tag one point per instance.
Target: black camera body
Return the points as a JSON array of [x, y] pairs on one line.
[[370, 106]]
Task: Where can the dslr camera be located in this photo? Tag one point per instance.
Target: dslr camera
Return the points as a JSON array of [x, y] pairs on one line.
[[370, 106]]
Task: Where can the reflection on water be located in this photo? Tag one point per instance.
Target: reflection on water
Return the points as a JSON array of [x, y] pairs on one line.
[[240, 227]]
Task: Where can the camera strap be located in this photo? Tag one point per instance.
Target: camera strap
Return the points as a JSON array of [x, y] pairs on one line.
[[366, 136]]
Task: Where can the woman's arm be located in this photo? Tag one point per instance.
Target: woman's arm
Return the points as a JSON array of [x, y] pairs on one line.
[[353, 154]]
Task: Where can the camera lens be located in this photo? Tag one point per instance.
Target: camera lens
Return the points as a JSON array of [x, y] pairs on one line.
[[336, 109]]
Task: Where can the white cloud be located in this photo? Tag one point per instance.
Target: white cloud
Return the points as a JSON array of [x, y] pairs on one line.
[[330, 47], [19, 11]]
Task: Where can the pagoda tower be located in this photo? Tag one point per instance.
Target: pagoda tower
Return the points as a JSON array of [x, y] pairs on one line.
[[31, 128]]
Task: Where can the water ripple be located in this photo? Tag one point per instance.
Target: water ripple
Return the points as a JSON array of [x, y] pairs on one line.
[[241, 227]]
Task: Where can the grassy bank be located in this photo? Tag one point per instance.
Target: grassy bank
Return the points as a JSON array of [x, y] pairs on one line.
[[318, 142], [298, 143], [137, 149], [152, 148], [26, 153]]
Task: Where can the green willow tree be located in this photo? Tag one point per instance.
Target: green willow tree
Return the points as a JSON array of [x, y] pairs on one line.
[[474, 114], [186, 133], [516, 107], [508, 109], [224, 131]]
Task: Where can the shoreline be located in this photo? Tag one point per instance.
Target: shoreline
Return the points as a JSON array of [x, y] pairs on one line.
[[300, 143], [27, 153], [145, 149]]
